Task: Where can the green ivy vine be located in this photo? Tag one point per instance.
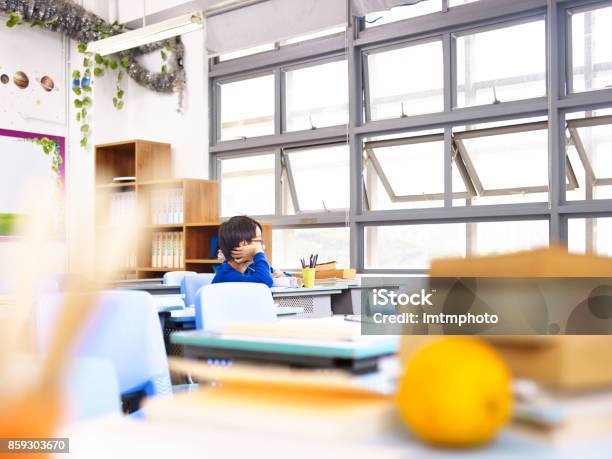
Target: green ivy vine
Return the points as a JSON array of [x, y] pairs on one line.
[[51, 148], [94, 66]]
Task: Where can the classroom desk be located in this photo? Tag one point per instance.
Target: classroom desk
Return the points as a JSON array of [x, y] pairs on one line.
[[125, 437], [316, 301], [359, 357]]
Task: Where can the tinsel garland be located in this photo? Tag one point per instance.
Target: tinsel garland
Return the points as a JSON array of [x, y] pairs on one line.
[[83, 26]]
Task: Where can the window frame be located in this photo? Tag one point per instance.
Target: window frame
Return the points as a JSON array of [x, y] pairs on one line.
[[218, 104], [283, 86], [582, 7], [468, 18], [489, 28], [366, 52]]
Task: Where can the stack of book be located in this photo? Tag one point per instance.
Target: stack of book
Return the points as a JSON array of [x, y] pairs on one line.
[[167, 250], [122, 206], [167, 206]]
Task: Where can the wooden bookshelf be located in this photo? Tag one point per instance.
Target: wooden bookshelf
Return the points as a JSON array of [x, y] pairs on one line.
[[150, 164]]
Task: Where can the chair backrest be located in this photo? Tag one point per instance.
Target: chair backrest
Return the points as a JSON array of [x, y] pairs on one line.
[[92, 389], [176, 277], [191, 284], [233, 302], [125, 330]]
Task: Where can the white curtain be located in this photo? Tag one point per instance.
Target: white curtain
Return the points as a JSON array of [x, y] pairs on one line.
[[271, 21]]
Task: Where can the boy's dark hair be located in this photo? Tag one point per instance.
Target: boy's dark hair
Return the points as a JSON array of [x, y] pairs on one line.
[[234, 231]]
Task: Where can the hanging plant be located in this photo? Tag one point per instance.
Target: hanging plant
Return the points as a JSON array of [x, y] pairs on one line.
[[76, 22], [51, 148]]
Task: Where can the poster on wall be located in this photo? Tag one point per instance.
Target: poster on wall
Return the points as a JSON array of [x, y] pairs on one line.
[[32, 76], [27, 159]]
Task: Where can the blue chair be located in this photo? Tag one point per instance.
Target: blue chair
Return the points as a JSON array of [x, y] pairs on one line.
[[191, 284], [219, 304], [176, 277], [124, 329], [91, 389]]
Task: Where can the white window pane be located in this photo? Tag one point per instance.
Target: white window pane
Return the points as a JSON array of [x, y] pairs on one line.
[[247, 185], [412, 246], [415, 172], [402, 12], [321, 177], [513, 236], [247, 108], [590, 235], [597, 143], [406, 81], [501, 65], [289, 245], [415, 246], [317, 96], [591, 52], [514, 160]]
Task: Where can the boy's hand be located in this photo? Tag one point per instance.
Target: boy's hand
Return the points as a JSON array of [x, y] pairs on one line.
[[277, 274], [246, 253]]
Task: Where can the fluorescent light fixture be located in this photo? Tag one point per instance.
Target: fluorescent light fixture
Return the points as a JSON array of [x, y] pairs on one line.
[[149, 34]]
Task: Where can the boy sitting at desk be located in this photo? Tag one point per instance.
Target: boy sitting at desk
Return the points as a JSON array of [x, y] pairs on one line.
[[242, 246]]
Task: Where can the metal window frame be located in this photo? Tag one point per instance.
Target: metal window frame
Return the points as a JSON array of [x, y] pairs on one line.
[[492, 26], [284, 69], [503, 130], [370, 147], [216, 94], [372, 50], [555, 105], [218, 173], [572, 127], [286, 162]]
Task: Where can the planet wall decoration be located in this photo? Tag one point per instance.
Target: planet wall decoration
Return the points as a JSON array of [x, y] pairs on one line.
[[4, 78], [21, 80], [47, 83]]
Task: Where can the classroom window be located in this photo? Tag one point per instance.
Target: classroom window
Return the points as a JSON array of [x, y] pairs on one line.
[[402, 12], [407, 172], [590, 152], [415, 246], [590, 235], [316, 96], [289, 245], [405, 81], [247, 185], [318, 178], [506, 163], [247, 108], [501, 65], [591, 33]]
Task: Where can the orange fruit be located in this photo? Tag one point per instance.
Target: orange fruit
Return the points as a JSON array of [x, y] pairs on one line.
[[455, 392]]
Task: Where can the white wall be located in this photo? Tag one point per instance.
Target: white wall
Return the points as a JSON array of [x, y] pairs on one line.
[[154, 116], [146, 115], [36, 52]]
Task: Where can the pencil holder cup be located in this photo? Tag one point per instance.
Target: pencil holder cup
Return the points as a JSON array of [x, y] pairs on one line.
[[308, 275]]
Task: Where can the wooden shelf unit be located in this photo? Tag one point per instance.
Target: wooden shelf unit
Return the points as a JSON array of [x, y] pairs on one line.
[[150, 164]]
